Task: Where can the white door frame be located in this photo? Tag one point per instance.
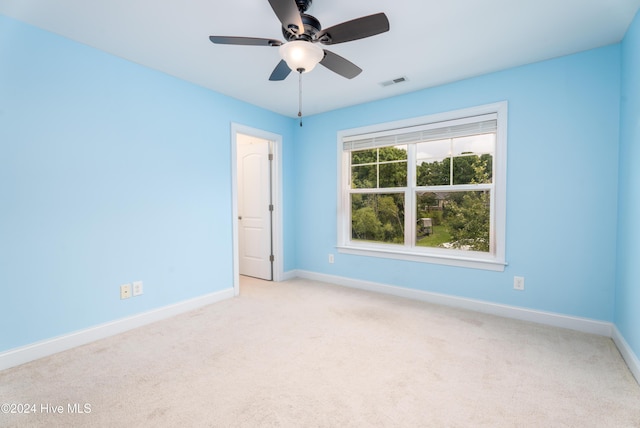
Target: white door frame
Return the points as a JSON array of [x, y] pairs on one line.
[[278, 253]]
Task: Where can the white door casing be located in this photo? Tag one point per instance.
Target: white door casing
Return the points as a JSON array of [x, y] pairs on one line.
[[237, 130]]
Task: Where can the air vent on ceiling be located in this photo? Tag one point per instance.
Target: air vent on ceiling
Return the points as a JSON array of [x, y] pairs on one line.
[[394, 81]]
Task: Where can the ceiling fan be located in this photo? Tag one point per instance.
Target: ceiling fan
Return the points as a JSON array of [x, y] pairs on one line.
[[302, 31]]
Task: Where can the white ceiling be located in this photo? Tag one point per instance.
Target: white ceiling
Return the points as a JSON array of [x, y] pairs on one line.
[[430, 42]]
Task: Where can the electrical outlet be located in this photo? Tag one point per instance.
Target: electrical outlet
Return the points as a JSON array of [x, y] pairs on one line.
[[518, 282], [137, 288], [125, 291], [331, 259]]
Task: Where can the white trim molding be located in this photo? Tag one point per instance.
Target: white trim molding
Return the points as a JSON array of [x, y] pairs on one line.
[[627, 353], [24, 354], [290, 274], [278, 225], [460, 259], [584, 325], [409, 133]]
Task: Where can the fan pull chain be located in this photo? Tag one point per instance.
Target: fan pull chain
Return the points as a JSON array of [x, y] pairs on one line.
[[300, 96], [300, 70]]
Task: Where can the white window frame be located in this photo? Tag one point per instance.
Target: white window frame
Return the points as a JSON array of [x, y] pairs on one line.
[[494, 260]]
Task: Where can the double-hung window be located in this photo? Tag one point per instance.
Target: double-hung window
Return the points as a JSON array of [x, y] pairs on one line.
[[428, 189]]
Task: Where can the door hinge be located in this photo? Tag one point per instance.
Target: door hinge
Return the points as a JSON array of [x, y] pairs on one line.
[[270, 156], [270, 207], [271, 258]]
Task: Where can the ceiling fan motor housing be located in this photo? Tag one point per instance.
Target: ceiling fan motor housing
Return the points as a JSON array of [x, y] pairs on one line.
[[311, 28]]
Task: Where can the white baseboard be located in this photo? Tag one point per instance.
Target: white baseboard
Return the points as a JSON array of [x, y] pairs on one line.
[[585, 325], [289, 275], [24, 354], [627, 353], [33, 351]]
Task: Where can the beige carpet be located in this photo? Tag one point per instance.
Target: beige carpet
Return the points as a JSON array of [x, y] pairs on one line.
[[307, 354]]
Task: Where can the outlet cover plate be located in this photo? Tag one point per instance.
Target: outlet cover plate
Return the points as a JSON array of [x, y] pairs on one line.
[[518, 283], [137, 288], [125, 291]]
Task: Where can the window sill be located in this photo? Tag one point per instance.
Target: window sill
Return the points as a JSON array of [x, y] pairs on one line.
[[459, 260]]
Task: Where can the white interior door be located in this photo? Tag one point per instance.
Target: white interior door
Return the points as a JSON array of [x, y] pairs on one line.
[[254, 212]]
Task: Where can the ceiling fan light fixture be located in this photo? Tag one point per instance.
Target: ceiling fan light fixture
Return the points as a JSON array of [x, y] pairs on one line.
[[301, 55]]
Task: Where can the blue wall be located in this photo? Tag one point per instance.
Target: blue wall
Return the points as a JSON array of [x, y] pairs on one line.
[[109, 173], [628, 281], [561, 188]]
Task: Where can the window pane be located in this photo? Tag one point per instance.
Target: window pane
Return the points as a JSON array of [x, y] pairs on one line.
[[433, 172], [434, 150], [472, 169], [473, 159], [393, 174], [433, 163], [393, 153], [364, 177], [474, 144], [381, 167], [459, 220], [364, 156], [378, 217]]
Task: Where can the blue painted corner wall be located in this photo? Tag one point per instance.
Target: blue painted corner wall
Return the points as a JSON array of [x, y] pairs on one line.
[[111, 172], [627, 310], [561, 186]]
